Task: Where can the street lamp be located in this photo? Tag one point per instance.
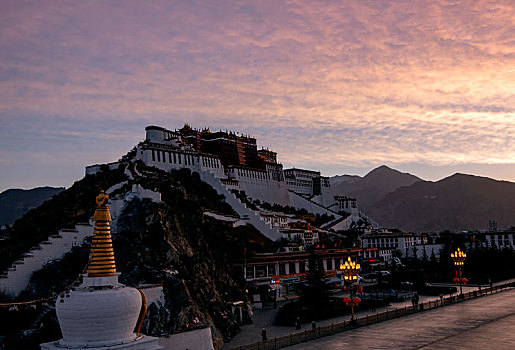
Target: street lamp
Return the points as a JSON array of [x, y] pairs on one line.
[[459, 260], [350, 270]]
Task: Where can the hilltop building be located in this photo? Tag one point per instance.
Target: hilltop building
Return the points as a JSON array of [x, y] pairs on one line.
[[232, 164]]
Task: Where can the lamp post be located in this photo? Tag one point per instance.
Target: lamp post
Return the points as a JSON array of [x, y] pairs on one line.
[[459, 260], [350, 270]]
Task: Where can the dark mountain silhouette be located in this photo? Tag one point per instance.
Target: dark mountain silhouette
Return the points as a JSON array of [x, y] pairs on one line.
[[373, 186], [16, 202], [458, 202], [339, 179]]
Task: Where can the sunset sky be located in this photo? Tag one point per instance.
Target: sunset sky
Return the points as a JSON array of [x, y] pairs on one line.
[[426, 87]]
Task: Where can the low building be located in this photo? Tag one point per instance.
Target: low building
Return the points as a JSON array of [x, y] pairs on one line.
[[501, 240], [281, 271], [385, 239]]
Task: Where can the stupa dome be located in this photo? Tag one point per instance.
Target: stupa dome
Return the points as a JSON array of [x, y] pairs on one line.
[[102, 313]]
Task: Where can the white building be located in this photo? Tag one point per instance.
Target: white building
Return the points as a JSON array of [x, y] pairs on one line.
[[307, 182], [401, 242], [500, 239], [347, 204], [275, 219]]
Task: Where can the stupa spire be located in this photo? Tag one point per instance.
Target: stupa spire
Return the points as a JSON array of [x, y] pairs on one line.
[[101, 257]]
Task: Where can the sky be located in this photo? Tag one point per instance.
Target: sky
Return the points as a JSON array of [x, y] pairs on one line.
[[426, 87]]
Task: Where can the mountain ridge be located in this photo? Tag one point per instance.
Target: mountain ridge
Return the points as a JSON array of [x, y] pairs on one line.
[[374, 185], [15, 202], [456, 202]]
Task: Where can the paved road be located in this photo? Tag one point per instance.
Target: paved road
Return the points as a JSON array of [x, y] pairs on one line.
[[483, 323], [265, 319]]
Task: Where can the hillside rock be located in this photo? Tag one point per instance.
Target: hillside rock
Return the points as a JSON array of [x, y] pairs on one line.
[[170, 243]]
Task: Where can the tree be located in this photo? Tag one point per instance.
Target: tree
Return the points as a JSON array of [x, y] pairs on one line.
[[424, 256], [434, 263], [316, 291]]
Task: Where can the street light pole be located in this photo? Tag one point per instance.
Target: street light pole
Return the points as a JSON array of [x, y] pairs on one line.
[[459, 260], [350, 270]]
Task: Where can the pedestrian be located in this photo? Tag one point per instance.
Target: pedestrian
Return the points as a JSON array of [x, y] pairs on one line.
[[490, 282], [313, 325], [263, 334], [416, 299]]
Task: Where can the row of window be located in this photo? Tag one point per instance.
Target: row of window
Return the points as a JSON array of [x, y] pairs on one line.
[[269, 270], [252, 174], [299, 184], [345, 204], [180, 158], [176, 158], [499, 237], [210, 162]]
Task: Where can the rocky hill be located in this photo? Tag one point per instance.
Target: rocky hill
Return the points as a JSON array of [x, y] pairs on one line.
[[373, 186], [169, 243], [16, 202], [459, 202]]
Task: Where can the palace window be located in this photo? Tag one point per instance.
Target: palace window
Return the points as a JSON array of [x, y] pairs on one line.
[[302, 266], [260, 271], [292, 267]]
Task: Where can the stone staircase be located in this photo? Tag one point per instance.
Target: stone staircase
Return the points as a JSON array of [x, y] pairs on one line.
[[311, 206], [253, 217], [17, 277]]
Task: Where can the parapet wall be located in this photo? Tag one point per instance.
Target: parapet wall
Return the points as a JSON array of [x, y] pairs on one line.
[[198, 339]]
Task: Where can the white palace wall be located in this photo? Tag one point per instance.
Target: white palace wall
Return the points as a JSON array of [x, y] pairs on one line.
[[240, 208], [257, 185], [168, 159], [301, 202]]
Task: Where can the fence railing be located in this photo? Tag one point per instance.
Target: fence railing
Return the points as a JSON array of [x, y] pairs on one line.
[[333, 328]]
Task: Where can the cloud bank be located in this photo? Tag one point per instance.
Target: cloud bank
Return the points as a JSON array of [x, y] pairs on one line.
[[361, 82]]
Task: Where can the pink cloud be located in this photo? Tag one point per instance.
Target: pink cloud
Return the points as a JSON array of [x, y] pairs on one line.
[[365, 81]]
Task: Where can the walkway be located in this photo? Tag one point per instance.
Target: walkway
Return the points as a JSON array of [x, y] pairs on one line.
[[483, 323], [265, 319]]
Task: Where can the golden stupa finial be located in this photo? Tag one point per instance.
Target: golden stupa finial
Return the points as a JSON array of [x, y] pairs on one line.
[[101, 257], [102, 212]]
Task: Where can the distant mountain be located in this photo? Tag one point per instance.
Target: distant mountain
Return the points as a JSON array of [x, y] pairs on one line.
[[373, 186], [454, 203], [339, 179], [16, 202]]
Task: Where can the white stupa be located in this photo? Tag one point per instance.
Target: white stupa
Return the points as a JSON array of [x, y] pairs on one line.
[[102, 313]]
